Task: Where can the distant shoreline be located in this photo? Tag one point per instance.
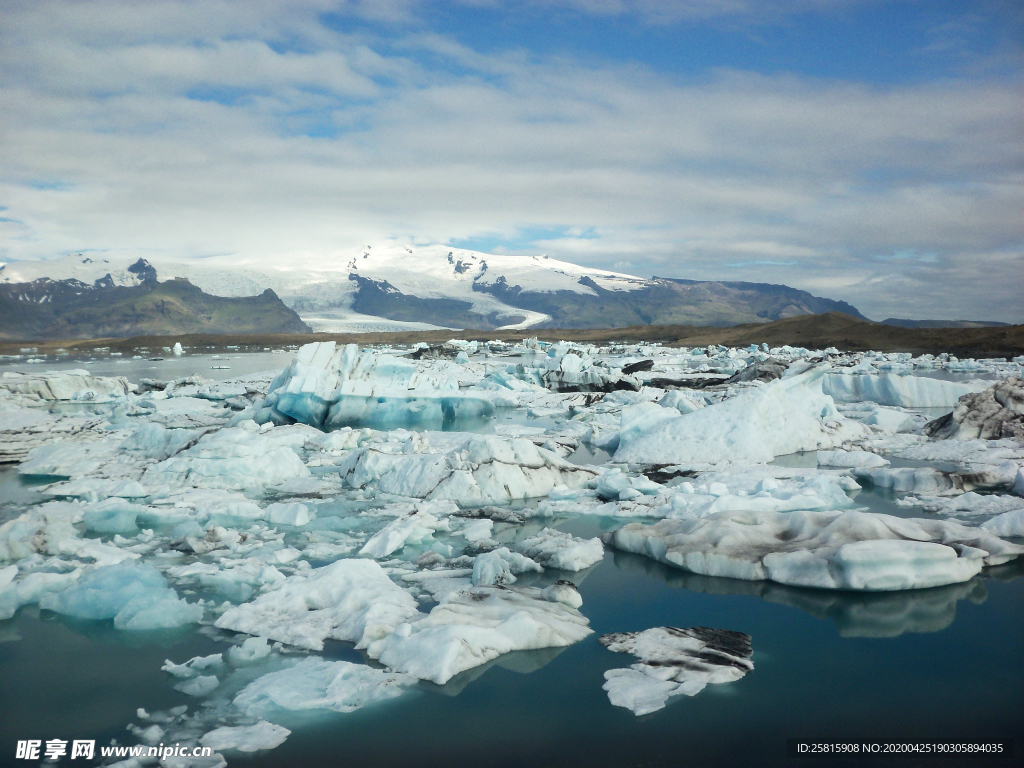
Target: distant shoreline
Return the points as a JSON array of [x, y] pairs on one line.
[[833, 329]]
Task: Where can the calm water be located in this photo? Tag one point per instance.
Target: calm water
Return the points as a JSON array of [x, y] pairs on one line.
[[945, 663], [941, 663]]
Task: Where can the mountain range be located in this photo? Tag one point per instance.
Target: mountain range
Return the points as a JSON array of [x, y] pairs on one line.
[[375, 289]]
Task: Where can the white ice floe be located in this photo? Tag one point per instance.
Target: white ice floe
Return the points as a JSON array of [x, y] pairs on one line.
[[134, 595], [557, 549], [784, 416], [471, 627], [484, 470], [233, 458], [500, 566], [903, 391], [1007, 524], [412, 528], [314, 683], [907, 479], [332, 387], [851, 459], [849, 550], [246, 738], [351, 600], [77, 384], [673, 662]]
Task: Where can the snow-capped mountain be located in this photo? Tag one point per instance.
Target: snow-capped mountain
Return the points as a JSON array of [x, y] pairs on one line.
[[396, 287]]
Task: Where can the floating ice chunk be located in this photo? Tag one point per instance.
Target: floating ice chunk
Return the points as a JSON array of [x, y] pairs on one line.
[[673, 662], [317, 684], [74, 459], [290, 513], [564, 592], [477, 531], [7, 575], [1007, 524], [193, 666], [135, 595], [997, 412], [500, 565], [849, 459], [64, 385], [95, 489], [971, 504], [303, 391], [232, 458], [389, 408], [32, 588], [155, 441], [412, 528], [1018, 483], [177, 351], [472, 627], [784, 416], [198, 686], [556, 549], [352, 600], [681, 401], [851, 550], [903, 391], [246, 738], [251, 650], [483, 470], [757, 490], [907, 479], [111, 516]]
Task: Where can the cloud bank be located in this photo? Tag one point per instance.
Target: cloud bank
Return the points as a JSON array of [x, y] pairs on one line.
[[291, 131]]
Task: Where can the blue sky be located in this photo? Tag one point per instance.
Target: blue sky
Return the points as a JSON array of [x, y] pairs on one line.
[[863, 150]]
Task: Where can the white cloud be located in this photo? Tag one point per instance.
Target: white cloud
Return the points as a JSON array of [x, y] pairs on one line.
[[328, 139]]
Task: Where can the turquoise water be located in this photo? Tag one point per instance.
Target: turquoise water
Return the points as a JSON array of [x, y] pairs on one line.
[[941, 663], [944, 663]]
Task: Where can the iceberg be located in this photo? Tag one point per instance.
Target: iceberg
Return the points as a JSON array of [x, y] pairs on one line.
[[893, 389], [312, 683], [245, 738], [673, 662], [484, 470], [471, 627], [351, 600], [784, 416], [556, 549], [76, 384], [134, 595], [233, 458], [500, 566], [330, 387], [849, 550]]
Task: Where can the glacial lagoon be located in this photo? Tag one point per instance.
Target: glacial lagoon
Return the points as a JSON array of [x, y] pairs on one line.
[[935, 663]]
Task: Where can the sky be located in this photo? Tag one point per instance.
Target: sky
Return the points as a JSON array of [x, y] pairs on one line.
[[863, 150]]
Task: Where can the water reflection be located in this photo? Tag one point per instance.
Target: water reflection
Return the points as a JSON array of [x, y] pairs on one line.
[[855, 614]]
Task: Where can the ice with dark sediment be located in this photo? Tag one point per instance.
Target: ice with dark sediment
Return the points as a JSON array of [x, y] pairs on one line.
[[673, 662], [825, 550]]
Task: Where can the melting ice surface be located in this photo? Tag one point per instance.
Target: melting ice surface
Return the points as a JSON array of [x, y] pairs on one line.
[[323, 558]]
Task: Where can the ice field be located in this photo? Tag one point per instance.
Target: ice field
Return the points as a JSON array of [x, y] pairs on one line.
[[480, 550]]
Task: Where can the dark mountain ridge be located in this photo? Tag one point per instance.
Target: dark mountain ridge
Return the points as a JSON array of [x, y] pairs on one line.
[[72, 309]]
